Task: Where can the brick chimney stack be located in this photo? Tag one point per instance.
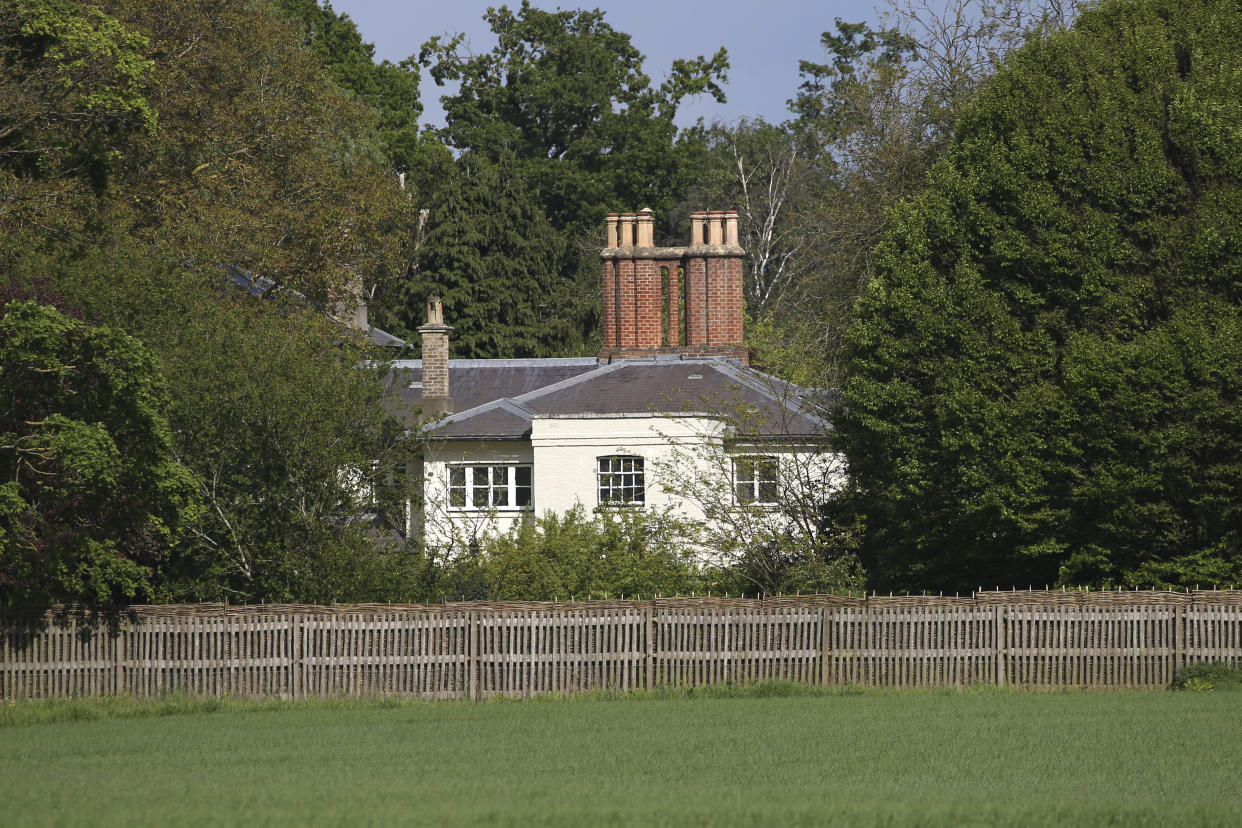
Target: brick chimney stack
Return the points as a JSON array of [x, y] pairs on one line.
[[674, 300], [435, 336]]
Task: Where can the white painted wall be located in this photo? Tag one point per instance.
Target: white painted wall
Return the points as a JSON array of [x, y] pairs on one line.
[[447, 528], [564, 452]]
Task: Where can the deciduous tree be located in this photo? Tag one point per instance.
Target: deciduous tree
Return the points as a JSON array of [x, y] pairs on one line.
[[92, 497]]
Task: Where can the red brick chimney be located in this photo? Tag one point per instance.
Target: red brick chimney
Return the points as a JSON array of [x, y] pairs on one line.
[[675, 300], [435, 335]]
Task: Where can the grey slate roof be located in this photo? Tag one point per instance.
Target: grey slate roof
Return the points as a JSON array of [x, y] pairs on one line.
[[754, 403], [474, 382]]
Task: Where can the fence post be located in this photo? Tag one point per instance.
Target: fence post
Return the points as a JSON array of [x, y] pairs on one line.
[[1179, 636], [472, 633], [118, 670], [1000, 644], [649, 660], [295, 665], [823, 646]]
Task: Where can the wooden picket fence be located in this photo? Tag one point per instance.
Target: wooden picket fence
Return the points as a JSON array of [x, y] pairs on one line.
[[479, 650]]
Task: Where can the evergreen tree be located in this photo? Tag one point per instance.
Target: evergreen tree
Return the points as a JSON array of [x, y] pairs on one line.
[[490, 254], [1044, 375]]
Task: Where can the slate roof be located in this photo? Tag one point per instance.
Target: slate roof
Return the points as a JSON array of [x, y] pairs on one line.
[[756, 404], [474, 382]]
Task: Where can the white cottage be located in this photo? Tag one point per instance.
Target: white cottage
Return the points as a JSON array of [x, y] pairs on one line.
[[668, 405]]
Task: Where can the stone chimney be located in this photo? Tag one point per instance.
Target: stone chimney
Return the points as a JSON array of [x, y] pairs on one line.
[[435, 335], [672, 300]]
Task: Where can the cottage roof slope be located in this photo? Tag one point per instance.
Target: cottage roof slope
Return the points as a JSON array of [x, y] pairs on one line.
[[754, 403]]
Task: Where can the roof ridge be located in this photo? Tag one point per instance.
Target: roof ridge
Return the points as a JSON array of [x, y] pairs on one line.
[[561, 385], [782, 398]]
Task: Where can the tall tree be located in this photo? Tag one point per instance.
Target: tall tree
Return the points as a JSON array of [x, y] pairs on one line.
[[92, 498], [872, 116], [566, 94], [390, 89], [762, 171], [492, 256], [74, 86], [259, 162], [1044, 375]]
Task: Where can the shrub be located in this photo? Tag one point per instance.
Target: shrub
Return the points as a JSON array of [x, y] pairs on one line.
[[1208, 675]]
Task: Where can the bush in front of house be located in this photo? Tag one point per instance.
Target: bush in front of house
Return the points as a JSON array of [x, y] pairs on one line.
[[576, 555]]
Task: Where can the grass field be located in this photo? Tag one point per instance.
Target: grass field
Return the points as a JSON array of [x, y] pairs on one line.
[[761, 757]]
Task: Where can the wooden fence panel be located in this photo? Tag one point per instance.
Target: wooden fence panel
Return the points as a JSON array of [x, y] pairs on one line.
[[708, 645], [1213, 632], [1090, 646], [924, 646], [244, 656], [371, 654], [1026, 639], [531, 652]]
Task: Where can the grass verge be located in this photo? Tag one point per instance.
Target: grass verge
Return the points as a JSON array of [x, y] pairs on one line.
[[762, 755]]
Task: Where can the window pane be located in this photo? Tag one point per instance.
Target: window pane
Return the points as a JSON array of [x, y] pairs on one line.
[[457, 487], [767, 491], [500, 496], [744, 492], [766, 468], [523, 496], [523, 475], [478, 475]]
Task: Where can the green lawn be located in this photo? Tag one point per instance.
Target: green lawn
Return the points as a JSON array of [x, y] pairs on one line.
[[925, 758]]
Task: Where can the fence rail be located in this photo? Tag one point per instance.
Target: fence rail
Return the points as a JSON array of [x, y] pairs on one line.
[[479, 650]]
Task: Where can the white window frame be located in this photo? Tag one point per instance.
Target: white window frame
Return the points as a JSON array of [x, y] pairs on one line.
[[754, 486], [469, 488], [626, 474]]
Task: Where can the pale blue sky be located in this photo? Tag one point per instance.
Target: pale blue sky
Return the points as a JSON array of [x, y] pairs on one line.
[[765, 39]]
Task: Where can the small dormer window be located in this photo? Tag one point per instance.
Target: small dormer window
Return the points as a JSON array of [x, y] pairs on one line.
[[621, 480]]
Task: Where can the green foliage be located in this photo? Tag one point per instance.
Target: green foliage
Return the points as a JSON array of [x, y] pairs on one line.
[[74, 89], [391, 90], [262, 163], [1207, 676], [562, 104], [823, 107], [566, 94], [576, 555], [261, 160], [1043, 377], [270, 409], [92, 498], [490, 254]]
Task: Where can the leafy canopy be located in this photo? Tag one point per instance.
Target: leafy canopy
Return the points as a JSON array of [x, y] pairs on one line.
[[566, 94], [92, 498], [1043, 377]]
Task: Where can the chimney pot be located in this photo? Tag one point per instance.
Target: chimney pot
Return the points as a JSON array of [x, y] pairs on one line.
[[435, 338], [730, 235], [715, 227], [697, 220], [645, 228], [626, 230]]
